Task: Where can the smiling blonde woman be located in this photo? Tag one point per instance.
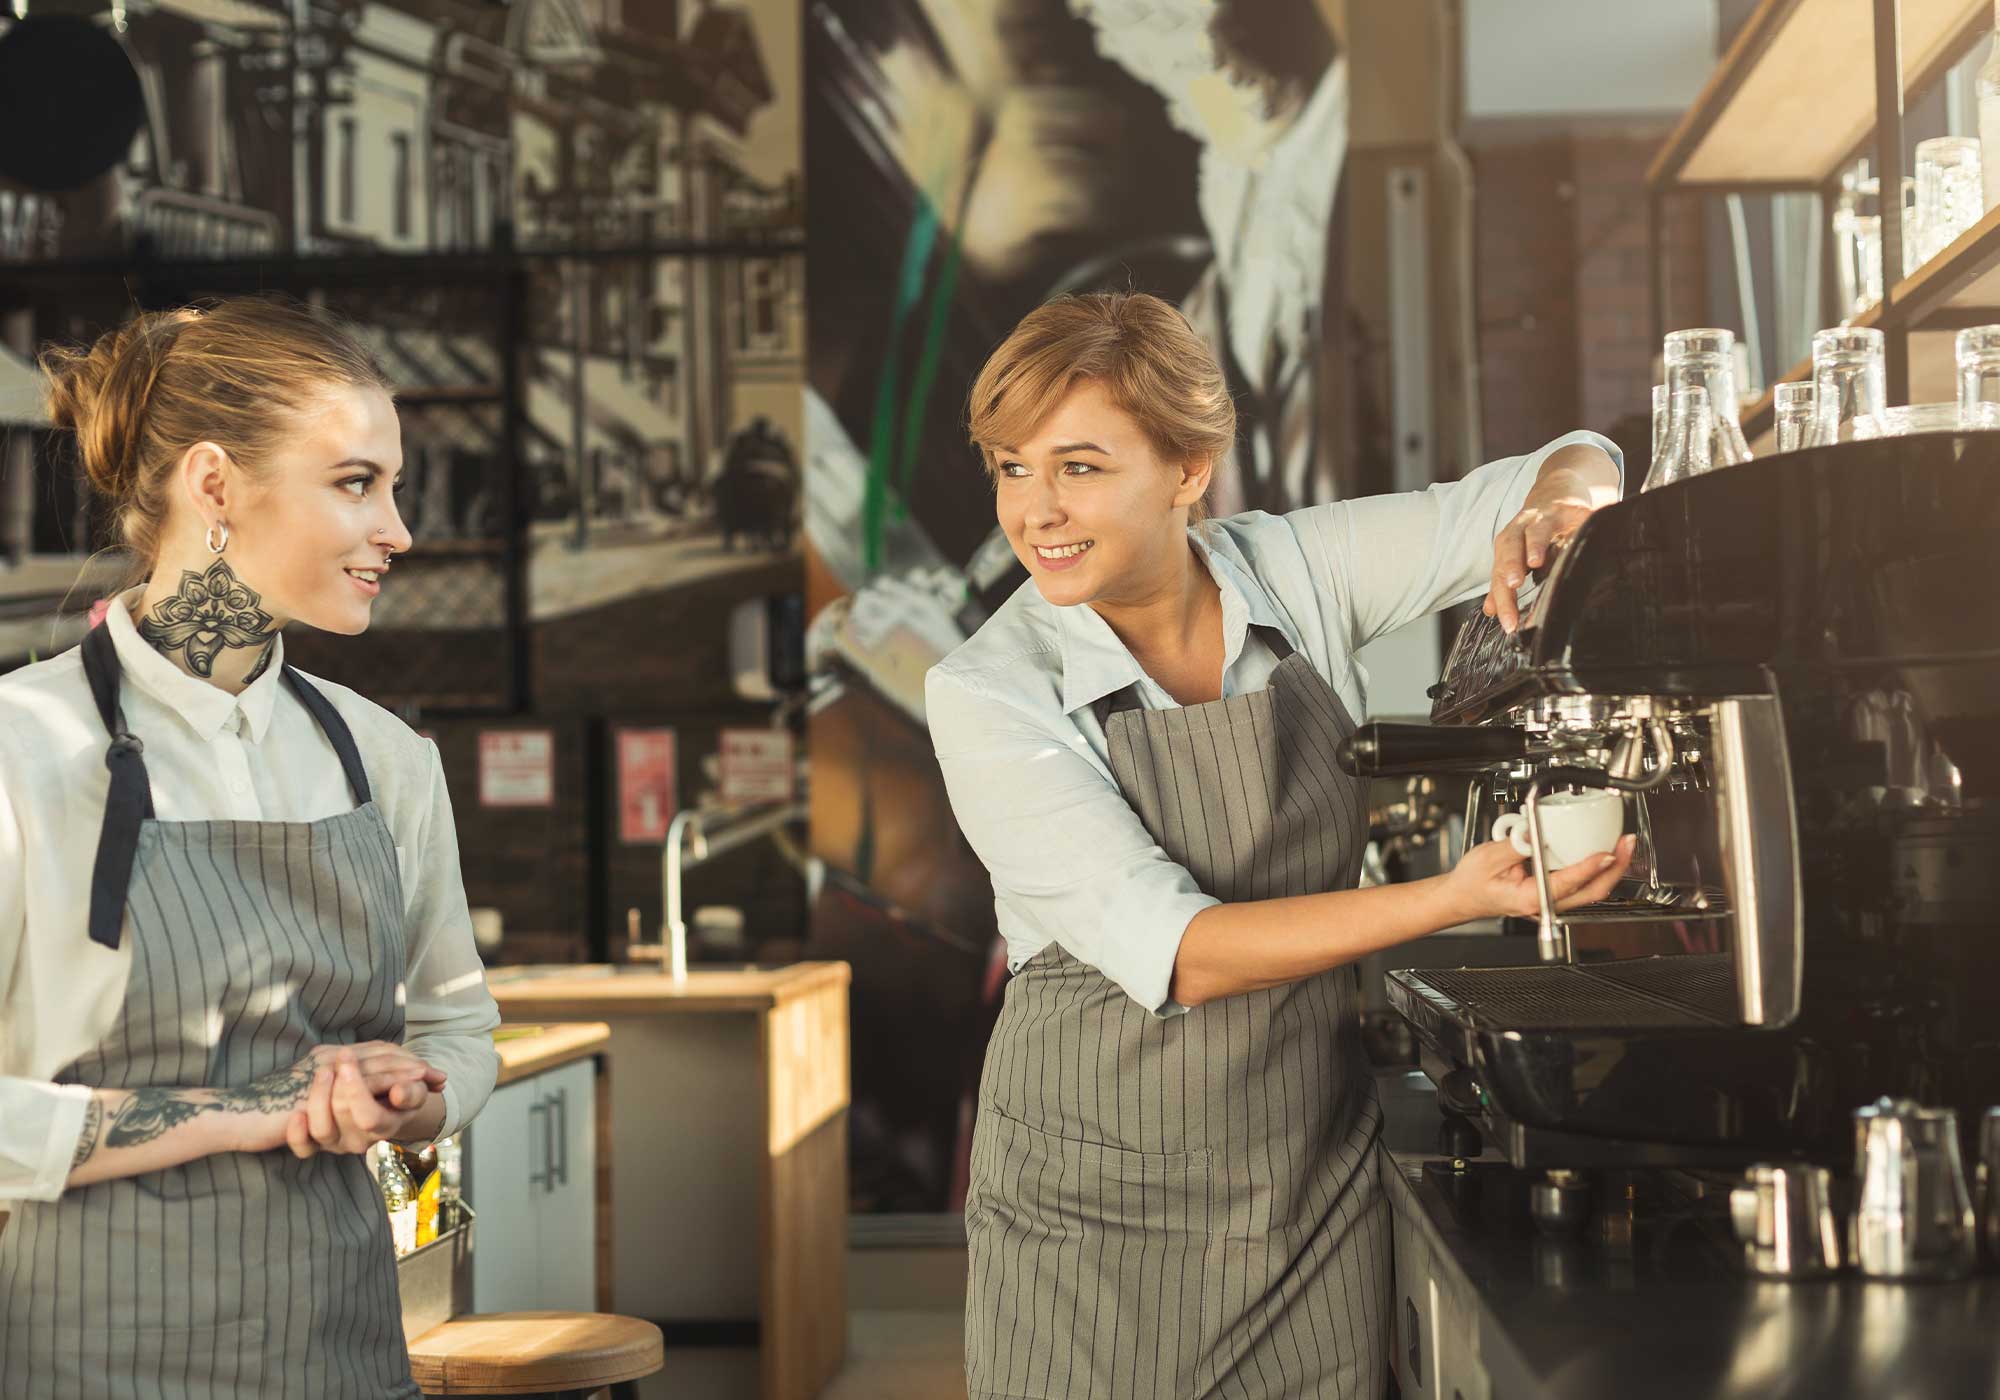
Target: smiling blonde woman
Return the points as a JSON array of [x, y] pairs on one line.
[[234, 947], [1173, 1177]]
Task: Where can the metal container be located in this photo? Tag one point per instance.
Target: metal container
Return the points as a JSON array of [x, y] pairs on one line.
[[436, 1281], [1913, 1215], [1785, 1221]]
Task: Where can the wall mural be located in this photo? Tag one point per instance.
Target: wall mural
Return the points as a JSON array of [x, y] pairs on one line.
[[986, 155], [660, 421]]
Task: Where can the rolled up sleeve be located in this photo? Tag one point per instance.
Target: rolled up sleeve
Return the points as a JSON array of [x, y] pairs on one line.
[[449, 1015], [39, 1121], [1067, 853], [1398, 557]]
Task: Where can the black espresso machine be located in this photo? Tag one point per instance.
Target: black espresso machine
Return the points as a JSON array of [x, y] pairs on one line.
[[1792, 668]]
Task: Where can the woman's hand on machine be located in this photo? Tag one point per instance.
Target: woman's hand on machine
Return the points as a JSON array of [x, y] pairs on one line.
[[1494, 880], [1574, 481]]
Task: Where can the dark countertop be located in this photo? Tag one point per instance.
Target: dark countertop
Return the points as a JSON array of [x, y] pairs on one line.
[[1662, 1311]]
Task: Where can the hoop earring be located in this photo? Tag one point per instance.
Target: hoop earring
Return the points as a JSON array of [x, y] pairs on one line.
[[216, 546]]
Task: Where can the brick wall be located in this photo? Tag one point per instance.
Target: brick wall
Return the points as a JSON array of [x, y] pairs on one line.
[[1563, 301]]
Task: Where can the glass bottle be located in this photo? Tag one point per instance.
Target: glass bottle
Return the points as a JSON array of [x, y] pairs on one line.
[[1791, 414], [1705, 358], [1848, 279], [1850, 381], [1690, 444], [399, 1195], [1988, 86], [422, 1165], [1659, 420], [451, 1172]]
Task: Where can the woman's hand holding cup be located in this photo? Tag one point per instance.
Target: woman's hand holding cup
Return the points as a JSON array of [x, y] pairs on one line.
[[1575, 826], [1494, 880]]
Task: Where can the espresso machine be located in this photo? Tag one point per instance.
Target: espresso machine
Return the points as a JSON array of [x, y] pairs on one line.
[[1792, 670]]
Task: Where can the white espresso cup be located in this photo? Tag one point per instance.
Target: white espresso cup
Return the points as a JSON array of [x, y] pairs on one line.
[[1575, 826]]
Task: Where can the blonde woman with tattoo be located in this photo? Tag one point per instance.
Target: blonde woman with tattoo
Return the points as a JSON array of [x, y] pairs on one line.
[[234, 945]]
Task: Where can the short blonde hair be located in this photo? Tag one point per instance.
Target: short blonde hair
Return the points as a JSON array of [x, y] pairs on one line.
[[1155, 365]]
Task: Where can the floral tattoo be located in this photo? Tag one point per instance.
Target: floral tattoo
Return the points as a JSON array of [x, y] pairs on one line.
[[210, 611], [151, 1112]]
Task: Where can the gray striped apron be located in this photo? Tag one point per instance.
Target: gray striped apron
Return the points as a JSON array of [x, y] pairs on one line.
[[1188, 1206], [235, 1275]]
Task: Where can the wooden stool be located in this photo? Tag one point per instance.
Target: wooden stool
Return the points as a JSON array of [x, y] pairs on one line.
[[536, 1355]]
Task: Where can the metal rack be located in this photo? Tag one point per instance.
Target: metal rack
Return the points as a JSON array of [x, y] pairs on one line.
[[1807, 88]]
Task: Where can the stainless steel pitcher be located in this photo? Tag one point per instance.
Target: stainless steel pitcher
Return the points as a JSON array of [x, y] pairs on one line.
[[1784, 1218], [1913, 1215]]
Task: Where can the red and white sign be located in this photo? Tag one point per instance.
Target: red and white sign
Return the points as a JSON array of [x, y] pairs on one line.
[[646, 795], [517, 768], [756, 766]]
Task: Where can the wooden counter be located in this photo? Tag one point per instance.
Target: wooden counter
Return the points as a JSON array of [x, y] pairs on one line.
[[593, 992], [526, 1050], [731, 1097]]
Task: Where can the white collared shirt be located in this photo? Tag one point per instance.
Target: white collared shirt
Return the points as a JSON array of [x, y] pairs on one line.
[[1025, 760], [258, 756]]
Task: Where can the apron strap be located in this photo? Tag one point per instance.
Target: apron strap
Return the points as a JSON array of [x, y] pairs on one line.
[[1127, 698], [130, 801], [337, 733], [129, 804]]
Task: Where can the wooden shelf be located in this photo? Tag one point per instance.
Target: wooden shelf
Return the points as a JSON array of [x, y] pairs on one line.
[[1794, 98], [1959, 287]]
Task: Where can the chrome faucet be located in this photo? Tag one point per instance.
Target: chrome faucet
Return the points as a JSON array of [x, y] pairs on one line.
[[688, 835]]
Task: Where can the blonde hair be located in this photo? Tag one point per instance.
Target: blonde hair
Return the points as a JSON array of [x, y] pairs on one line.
[[1154, 364], [237, 373]]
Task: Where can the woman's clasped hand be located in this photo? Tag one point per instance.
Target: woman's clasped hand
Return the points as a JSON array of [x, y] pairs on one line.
[[347, 1098]]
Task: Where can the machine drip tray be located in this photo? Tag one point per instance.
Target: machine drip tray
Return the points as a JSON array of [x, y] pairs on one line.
[[1695, 991]]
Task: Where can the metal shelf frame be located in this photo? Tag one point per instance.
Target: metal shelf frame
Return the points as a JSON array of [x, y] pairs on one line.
[[1950, 290]]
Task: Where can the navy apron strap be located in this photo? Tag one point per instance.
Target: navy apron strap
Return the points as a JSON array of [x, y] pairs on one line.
[[128, 806], [1118, 701], [337, 733], [1274, 639]]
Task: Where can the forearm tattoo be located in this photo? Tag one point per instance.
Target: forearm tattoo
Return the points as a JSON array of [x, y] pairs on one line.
[[151, 1112], [210, 612], [276, 1092], [86, 1143]]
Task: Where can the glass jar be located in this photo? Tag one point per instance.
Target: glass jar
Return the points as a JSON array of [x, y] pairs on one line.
[[1850, 381], [1791, 414], [1978, 350], [1949, 194], [1988, 87], [1689, 447], [1705, 358], [1659, 420]]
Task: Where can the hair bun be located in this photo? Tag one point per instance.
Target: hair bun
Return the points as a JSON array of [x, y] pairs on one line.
[[100, 394]]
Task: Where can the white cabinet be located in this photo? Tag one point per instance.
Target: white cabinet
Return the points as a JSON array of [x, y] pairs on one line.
[[531, 1178]]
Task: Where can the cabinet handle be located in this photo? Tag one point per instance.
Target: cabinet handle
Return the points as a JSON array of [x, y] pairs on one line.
[[559, 1162], [539, 1109]]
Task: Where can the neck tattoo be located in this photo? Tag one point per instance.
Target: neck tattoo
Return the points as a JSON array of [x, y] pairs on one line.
[[210, 612]]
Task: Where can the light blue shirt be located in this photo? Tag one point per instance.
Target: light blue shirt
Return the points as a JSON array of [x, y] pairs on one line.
[[1024, 757]]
